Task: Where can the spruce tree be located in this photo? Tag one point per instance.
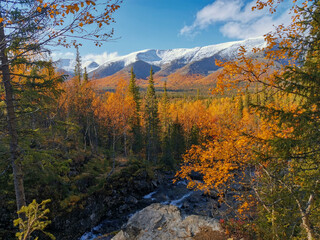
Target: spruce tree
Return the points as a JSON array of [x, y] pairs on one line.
[[78, 66], [85, 76], [135, 121], [193, 137], [240, 107], [293, 160], [247, 100], [165, 106], [198, 94], [257, 93], [167, 157], [152, 121], [134, 90], [177, 141]]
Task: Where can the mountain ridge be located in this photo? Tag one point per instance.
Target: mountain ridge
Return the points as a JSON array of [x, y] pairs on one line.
[[178, 66], [164, 59]]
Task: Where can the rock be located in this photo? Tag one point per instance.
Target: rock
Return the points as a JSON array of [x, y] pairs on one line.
[[131, 199], [164, 222], [92, 216], [154, 183], [196, 176], [186, 205], [114, 202], [141, 186], [124, 208]]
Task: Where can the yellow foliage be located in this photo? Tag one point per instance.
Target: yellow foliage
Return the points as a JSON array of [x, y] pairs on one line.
[[35, 220]]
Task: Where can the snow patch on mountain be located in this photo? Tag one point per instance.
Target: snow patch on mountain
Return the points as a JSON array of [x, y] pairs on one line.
[[68, 65], [187, 55], [170, 60]]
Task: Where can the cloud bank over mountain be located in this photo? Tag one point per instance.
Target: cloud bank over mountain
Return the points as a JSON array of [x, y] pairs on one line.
[[236, 19]]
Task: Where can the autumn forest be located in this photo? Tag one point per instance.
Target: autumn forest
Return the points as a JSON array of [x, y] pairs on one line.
[[70, 148]]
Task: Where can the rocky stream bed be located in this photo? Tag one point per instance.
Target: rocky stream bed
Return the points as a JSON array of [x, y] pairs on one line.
[[188, 202]]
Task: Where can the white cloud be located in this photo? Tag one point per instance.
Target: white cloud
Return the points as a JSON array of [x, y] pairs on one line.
[[86, 59], [100, 58], [187, 30], [218, 11], [235, 19], [62, 55]]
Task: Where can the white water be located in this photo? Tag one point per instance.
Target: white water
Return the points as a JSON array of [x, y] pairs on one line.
[[149, 196], [88, 236], [179, 201], [176, 202]]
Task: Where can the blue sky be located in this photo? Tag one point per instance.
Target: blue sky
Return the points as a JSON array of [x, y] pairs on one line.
[[166, 24]]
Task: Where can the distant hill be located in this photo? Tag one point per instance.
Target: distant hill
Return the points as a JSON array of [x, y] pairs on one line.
[[182, 68], [67, 66]]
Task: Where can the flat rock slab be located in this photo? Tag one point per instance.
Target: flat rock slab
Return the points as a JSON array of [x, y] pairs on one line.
[[164, 222]]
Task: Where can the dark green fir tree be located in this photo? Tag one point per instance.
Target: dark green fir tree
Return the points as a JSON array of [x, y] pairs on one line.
[[135, 120], [152, 121]]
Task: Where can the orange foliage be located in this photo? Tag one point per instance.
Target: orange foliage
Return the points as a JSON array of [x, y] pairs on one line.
[[175, 81], [115, 109], [227, 149], [180, 81], [77, 98], [58, 18], [110, 81], [191, 114]]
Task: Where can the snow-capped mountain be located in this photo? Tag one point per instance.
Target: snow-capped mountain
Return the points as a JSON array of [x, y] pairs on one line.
[[68, 65], [186, 61], [198, 60]]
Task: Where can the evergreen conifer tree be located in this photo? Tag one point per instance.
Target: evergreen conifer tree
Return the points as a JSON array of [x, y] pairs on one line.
[[240, 107], [78, 66], [85, 76], [167, 156], [152, 121], [193, 137], [135, 121], [165, 106], [257, 93], [134, 89], [247, 100], [177, 141], [293, 162]]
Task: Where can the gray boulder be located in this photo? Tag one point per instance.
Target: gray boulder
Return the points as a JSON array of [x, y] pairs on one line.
[[164, 222]]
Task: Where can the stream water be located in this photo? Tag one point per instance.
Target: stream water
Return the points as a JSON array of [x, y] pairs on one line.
[[174, 194]]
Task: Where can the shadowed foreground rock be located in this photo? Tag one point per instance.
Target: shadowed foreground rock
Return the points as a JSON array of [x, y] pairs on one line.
[[164, 222]]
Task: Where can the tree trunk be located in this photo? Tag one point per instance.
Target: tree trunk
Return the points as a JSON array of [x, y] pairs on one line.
[[125, 143], [12, 123], [305, 217], [114, 140], [307, 226], [95, 138], [114, 151]]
